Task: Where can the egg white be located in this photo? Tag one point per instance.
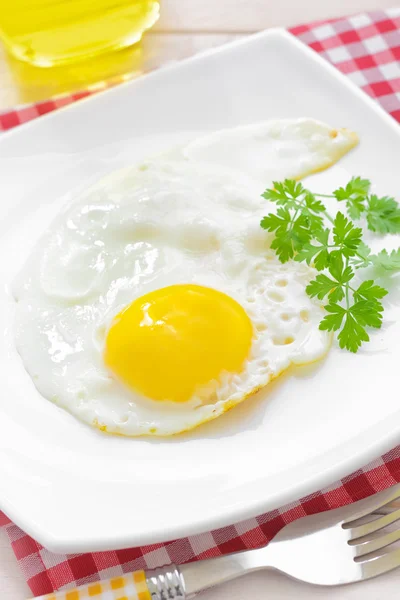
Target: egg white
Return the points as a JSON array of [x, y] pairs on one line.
[[190, 216]]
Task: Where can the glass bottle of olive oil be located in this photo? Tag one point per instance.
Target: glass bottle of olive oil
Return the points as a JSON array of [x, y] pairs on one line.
[[51, 32]]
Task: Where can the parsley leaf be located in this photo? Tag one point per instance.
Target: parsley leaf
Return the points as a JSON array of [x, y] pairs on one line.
[[370, 292], [356, 318], [353, 334], [319, 255], [333, 321], [323, 285], [384, 260], [285, 193], [311, 207], [367, 313], [355, 194], [283, 246], [312, 204], [363, 257], [296, 219], [343, 274], [290, 232], [383, 215], [276, 222], [345, 235]]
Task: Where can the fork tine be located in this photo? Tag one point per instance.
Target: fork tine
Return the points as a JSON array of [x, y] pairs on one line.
[[370, 510], [380, 565], [378, 544], [362, 530]]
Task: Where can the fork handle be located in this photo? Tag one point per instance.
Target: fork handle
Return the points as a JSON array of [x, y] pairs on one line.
[[208, 573], [166, 583], [158, 584]]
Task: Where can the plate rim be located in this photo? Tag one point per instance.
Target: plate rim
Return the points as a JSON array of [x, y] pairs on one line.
[[378, 445]]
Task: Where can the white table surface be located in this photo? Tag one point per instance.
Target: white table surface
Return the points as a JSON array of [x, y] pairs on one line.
[[188, 26]]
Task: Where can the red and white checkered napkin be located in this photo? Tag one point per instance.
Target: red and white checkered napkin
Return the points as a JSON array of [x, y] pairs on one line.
[[365, 47]]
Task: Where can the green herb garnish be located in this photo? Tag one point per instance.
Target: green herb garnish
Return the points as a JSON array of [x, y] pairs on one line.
[[337, 251]]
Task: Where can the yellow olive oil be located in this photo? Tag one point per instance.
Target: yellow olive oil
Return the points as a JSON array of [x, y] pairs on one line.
[[53, 32]]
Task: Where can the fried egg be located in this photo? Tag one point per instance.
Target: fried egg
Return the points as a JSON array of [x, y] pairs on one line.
[[153, 303]]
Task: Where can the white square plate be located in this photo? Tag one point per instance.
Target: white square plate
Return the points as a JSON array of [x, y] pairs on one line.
[[75, 489]]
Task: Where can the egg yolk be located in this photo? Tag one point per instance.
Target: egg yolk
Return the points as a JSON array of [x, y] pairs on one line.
[[170, 341]]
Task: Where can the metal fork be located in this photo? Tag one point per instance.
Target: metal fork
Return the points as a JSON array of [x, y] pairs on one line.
[[345, 549]]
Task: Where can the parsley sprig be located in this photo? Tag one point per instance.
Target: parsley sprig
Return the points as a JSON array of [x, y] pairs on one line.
[[337, 251]]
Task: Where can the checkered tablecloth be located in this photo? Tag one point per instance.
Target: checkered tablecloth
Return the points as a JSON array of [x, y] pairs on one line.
[[365, 47]]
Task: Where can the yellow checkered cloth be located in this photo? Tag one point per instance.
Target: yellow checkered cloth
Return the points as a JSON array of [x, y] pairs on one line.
[[128, 587]]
